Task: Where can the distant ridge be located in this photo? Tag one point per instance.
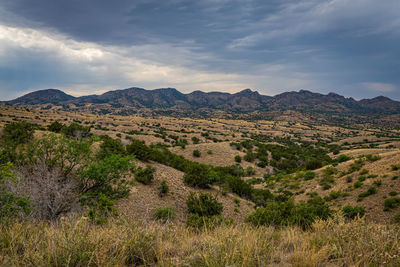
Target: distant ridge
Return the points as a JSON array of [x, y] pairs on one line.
[[46, 96], [246, 103]]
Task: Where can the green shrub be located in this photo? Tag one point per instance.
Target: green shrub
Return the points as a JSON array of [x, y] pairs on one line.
[[238, 158], [396, 218], [145, 175], [110, 147], [371, 157], [19, 132], [343, 158], [361, 178], [195, 140], [391, 203], [102, 183], [55, 127], [363, 171], [203, 204], [139, 150], [250, 156], [378, 182], [163, 188], [10, 204], [250, 171], [196, 153], [393, 193], [309, 175], [313, 164], [352, 212], [197, 175], [165, 214], [287, 213], [75, 130], [358, 184], [395, 167], [371, 190]]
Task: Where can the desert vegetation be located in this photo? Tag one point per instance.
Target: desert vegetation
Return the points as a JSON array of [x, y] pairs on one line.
[[105, 190]]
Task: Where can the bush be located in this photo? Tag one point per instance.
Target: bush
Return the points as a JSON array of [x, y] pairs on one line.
[[371, 190], [110, 147], [371, 157], [198, 175], [250, 171], [250, 156], [287, 213], [352, 212], [195, 140], [55, 127], [105, 177], [196, 153], [391, 203], [163, 188], [203, 204], [238, 158], [139, 149], [16, 133], [145, 175], [165, 214], [309, 175], [313, 164], [358, 184], [10, 204], [395, 167], [75, 130], [343, 158]]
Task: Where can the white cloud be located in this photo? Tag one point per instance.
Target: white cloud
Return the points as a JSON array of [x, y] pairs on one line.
[[93, 68]]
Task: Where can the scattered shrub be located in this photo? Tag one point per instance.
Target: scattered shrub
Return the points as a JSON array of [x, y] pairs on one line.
[[163, 188], [352, 212], [165, 214], [238, 158], [287, 213], [203, 204], [391, 203], [145, 175], [16, 133], [196, 153], [309, 175]]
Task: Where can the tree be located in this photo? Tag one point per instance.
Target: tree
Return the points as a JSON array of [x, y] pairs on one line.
[[197, 175], [203, 204], [110, 147], [10, 204], [16, 133], [55, 127]]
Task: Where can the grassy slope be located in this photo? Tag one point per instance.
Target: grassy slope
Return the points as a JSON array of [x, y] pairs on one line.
[[127, 242]]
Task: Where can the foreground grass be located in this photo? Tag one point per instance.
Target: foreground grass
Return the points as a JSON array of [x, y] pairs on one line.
[[122, 242]]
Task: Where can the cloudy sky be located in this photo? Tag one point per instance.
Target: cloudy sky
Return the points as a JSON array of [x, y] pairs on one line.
[[351, 47]]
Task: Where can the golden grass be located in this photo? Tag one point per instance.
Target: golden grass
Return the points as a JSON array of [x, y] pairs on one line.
[[124, 242]]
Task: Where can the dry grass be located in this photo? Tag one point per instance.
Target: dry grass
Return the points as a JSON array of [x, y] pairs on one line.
[[125, 242]]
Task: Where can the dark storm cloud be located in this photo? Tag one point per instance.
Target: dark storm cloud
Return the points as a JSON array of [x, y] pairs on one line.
[[350, 47]]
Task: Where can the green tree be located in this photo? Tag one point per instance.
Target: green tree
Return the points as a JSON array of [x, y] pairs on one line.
[[16, 133], [10, 204]]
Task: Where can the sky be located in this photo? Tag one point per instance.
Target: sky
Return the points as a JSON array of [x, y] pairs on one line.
[[350, 47]]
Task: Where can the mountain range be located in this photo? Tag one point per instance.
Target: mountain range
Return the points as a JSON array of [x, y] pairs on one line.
[[244, 104]]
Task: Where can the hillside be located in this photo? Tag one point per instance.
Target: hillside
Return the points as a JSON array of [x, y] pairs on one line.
[[246, 104], [167, 191]]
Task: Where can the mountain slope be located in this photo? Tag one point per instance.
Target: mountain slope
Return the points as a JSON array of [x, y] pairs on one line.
[[47, 96], [246, 104]]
